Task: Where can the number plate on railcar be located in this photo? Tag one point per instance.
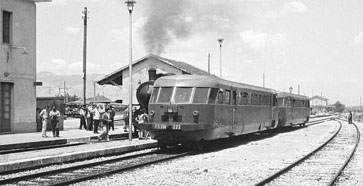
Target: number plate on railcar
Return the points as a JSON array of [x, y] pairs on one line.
[[176, 127], [160, 126]]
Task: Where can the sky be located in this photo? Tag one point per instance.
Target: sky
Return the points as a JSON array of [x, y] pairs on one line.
[[317, 44]]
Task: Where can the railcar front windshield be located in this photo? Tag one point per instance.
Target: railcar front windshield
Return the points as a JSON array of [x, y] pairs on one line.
[[183, 94], [154, 95], [165, 95], [201, 95]]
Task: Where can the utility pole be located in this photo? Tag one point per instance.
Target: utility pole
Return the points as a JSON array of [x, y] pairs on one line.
[[84, 53], [94, 91], [209, 63], [65, 92], [263, 80], [298, 89], [220, 41]]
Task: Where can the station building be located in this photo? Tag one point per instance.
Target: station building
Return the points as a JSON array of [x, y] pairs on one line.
[[140, 73], [18, 65], [319, 104]]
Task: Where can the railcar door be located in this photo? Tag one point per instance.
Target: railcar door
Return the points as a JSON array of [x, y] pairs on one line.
[[274, 110], [234, 110]]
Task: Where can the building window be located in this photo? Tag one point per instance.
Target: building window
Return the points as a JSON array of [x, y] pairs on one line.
[[6, 27]]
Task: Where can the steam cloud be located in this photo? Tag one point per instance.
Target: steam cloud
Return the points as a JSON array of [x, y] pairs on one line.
[[165, 21], [177, 19]]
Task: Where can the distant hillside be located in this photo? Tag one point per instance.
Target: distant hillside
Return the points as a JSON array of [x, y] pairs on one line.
[[53, 85]]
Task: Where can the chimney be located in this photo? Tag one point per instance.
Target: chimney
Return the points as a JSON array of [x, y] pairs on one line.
[[152, 74]]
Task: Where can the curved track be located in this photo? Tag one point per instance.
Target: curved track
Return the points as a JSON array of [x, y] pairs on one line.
[[323, 165], [93, 170]]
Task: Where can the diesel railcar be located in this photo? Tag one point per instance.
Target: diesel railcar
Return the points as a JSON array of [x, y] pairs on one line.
[[293, 109], [193, 108]]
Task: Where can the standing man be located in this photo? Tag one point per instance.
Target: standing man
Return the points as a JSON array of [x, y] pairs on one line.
[[112, 116], [89, 118], [83, 114], [44, 117], [96, 119], [38, 120], [54, 115], [350, 117], [106, 120]]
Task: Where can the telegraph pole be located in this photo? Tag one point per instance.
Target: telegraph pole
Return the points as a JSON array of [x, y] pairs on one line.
[[298, 89], [209, 63], [84, 52]]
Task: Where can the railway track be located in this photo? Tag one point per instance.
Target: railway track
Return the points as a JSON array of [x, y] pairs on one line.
[[10, 151], [87, 171], [322, 166]]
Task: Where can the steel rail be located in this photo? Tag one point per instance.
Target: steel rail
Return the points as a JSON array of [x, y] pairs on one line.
[[71, 168], [39, 148], [284, 170], [118, 170], [336, 176]]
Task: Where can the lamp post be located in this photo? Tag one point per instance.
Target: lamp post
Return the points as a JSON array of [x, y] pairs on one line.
[[290, 89], [220, 41], [130, 6]]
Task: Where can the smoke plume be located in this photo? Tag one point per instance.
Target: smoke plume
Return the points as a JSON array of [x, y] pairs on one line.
[[165, 22], [168, 20]]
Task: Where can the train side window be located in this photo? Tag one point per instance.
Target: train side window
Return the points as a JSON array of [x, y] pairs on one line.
[[281, 102], [274, 100], [249, 99], [227, 99], [244, 97], [213, 96], [234, 97], [165, 94], [220, 97], [154, 95], [201, 95], [239, 99]]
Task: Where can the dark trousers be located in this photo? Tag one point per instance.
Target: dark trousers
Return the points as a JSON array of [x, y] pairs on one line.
[[55, 130], [105, 129], [111, 124], [82, 122], [95, 127], [90, 124]]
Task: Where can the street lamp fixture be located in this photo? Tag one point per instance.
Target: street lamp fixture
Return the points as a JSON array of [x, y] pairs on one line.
[[130, 6], [220, 41]]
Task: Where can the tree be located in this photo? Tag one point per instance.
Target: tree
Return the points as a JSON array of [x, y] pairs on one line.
[[339, 107]]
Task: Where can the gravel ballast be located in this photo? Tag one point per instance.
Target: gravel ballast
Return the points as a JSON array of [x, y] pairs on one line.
[[244, 164]]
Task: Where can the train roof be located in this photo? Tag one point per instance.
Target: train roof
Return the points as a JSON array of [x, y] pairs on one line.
[[204, 81], [296, 96]]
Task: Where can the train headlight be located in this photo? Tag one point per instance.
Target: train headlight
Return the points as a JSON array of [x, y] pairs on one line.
[[195, 116], [151, 116]]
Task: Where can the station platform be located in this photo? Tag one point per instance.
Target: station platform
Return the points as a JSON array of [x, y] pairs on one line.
[[91, 148]]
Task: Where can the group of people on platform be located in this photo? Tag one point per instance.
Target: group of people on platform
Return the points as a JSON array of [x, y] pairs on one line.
[[138, 116], [95, 117], [54, 116]]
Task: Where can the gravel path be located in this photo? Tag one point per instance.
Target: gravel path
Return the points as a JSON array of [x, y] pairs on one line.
[[244, 164]]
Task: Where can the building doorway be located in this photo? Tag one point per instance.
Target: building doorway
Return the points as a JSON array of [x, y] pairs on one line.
[[5, 107]]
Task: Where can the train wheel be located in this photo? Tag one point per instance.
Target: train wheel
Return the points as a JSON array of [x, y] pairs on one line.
[[199, 145], [162, 146]]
